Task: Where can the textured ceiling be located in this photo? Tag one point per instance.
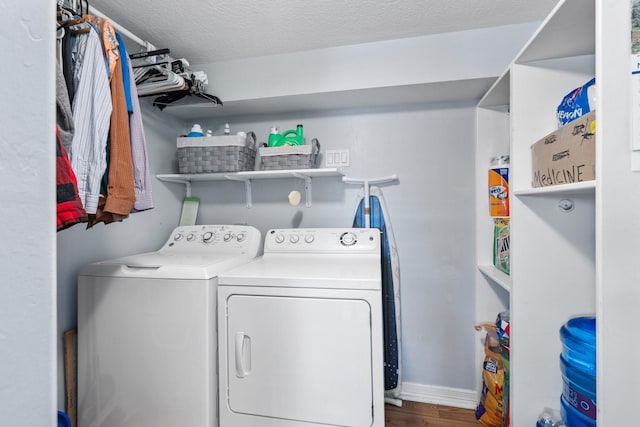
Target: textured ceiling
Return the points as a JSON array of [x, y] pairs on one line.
[[218, 30]]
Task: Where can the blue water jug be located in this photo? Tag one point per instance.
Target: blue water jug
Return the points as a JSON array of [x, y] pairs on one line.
[[578, 368]]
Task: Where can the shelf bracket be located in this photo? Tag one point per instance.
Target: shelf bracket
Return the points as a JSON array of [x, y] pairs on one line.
[[307, 187], [247, 187], [186, 182]]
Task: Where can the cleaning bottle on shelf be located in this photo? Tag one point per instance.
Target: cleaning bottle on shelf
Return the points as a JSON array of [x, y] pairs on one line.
[[290, 137], [227, 129], [499, 186], [275, 139], [196, 131], [293, 137]]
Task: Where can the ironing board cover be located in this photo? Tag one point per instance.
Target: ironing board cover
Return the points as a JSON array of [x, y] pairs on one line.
[[390, 286]]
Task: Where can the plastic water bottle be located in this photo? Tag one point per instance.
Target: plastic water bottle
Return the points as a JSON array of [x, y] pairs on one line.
[[578, 405], [550, 418]]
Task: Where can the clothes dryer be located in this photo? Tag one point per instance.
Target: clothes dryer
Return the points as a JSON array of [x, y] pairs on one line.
[[300, 332], [147, 330]]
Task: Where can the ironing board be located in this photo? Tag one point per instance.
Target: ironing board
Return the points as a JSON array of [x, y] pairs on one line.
[[390, 285]]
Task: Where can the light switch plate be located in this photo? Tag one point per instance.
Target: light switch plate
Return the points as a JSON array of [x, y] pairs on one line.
[[336, 158]]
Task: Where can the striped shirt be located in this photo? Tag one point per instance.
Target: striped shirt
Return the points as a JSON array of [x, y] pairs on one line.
[[91, 115], [141, 172]]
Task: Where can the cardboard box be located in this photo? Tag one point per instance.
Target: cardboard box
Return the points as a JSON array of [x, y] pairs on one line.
[[566, 155]]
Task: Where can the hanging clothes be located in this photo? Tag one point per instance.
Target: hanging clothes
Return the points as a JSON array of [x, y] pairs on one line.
[[120, 195], [69, 210], [141, 170], [99, 120], [92, 109], [64, 115]]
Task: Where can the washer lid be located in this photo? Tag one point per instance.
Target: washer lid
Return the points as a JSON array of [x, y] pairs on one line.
[[162, 265], [355, 271]]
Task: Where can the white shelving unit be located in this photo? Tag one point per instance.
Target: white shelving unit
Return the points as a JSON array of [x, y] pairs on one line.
[[248, 176], [565, 262], [498, 277]]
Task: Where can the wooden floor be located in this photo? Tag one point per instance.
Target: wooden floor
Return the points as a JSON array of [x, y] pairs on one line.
[[413, 414]]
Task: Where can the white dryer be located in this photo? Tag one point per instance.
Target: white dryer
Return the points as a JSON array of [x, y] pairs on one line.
[[300, 332], [147, 330]]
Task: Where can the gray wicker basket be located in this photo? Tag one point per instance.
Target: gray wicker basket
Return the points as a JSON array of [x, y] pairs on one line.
[[290, 157], [209, 155]]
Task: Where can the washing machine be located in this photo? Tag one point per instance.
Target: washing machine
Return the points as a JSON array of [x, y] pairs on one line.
[[147, 330], [300, 332]]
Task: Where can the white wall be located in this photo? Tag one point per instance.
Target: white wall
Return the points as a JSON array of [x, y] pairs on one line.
[[27, 248], [431, 149]]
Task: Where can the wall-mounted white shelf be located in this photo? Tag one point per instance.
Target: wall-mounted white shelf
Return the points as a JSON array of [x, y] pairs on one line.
[[447, 91], [585, 187], [497, 276], [248, 176]]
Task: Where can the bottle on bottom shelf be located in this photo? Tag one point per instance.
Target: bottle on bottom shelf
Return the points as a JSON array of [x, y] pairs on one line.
[[578, 368]]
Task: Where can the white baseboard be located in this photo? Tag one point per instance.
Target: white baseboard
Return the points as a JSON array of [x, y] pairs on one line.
[[447, 396]]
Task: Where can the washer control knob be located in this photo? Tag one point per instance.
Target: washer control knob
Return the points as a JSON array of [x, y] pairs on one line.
[[309, 238], [191, 237], [227, 237], [348, 239], [240, 237], [178, 236], [207, 237], [294, 238], [279, 238]]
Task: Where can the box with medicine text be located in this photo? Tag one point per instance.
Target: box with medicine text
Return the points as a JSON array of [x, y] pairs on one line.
[[566, 155]]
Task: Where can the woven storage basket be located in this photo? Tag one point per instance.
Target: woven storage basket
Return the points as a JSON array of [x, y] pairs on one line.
[[210, 154], [290, 156]]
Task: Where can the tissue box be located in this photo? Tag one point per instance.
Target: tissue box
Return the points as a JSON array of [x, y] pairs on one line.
[[290, 156], [210, 154], [566, 155]]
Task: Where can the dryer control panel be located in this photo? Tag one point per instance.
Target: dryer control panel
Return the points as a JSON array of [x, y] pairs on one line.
[[205, 238], [323, 240]]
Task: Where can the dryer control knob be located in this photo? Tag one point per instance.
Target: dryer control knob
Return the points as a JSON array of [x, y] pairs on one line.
[[178, 236], [279, 238], [207, 236], [227, 237], [294, 238], [309, 238], [191, 237], [348, 239], [240, 237]]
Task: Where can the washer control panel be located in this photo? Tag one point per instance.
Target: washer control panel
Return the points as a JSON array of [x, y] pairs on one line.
[[323, 240], [208, 238]]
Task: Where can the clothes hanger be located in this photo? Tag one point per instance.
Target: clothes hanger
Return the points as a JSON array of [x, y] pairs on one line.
[[68, 18], [196, 91]]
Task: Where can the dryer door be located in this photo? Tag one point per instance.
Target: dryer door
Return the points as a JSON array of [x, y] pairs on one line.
[[300, 358]]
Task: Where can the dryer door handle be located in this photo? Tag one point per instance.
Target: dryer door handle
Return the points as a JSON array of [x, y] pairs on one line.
[[243, 354]]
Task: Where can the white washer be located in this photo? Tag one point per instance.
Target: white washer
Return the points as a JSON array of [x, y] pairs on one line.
[[147, 330], [300, 332]]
